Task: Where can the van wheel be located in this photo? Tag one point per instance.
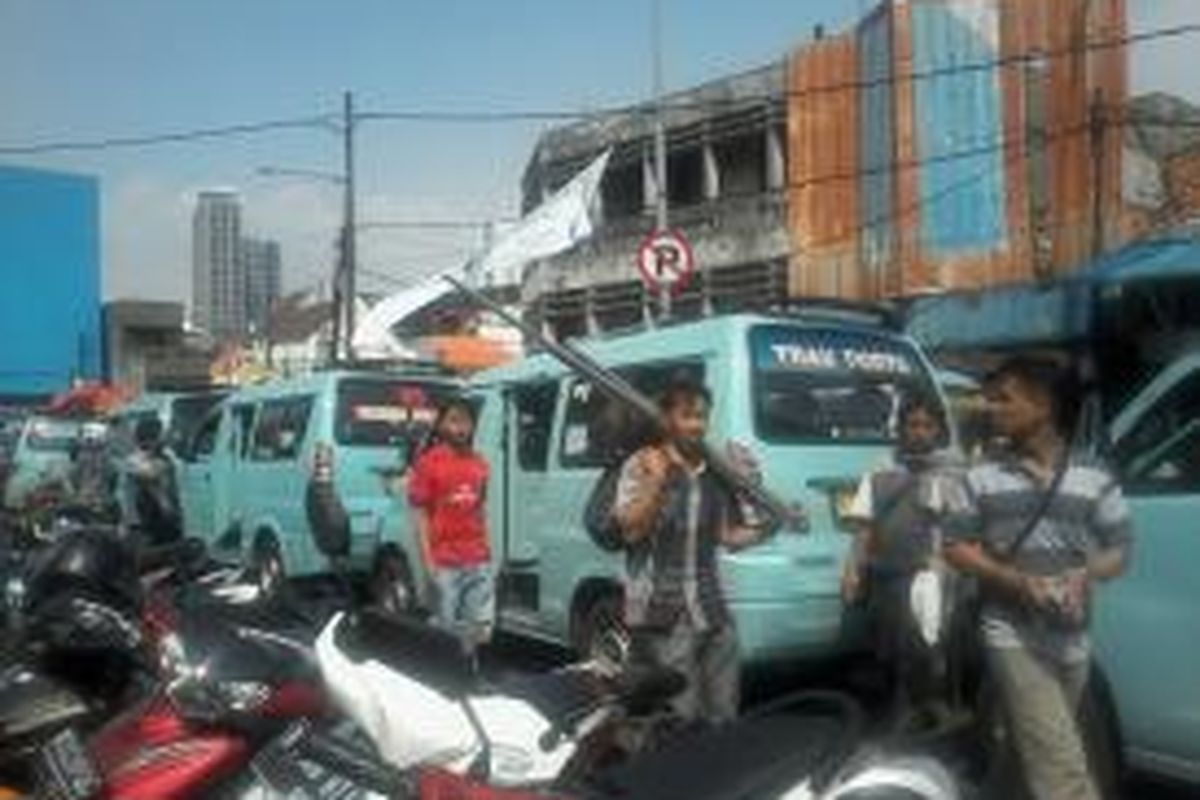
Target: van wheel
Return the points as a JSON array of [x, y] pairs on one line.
[[393, 589], [266, 565], [600, 633]]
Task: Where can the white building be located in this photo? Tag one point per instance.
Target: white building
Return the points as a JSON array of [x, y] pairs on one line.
[[218, 279]]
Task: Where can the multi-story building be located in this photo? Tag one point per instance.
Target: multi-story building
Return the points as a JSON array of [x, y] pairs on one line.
[[726, 189], [936, 145], [49, 282], [218, 280], [262, 266]]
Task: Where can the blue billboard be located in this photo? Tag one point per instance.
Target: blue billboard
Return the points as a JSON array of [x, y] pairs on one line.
[[49, 280]]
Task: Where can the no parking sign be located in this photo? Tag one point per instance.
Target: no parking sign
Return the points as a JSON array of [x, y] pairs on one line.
[[665, 261]]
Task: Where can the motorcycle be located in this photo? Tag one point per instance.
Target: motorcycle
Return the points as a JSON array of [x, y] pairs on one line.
[[76, 648], [439, 733], [232, 676]]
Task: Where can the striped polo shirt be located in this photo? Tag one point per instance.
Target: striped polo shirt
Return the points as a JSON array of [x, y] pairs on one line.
[[1087, 514]]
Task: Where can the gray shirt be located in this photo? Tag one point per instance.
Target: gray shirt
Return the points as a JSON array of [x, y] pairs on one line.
[[1087, 514]]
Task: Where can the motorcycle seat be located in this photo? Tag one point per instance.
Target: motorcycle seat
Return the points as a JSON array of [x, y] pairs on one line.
[[561, 697], [746, 760], [425, 654]]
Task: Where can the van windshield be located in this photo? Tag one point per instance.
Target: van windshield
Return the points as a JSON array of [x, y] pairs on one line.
[[375, 413], [187, 413], [815, 386], [51, 436]]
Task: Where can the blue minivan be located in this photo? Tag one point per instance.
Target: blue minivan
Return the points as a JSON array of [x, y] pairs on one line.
[[815, 396], [1147, 623], [243, 478]]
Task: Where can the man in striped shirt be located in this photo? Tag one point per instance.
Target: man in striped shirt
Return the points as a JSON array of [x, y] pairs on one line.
[[1036, 589]]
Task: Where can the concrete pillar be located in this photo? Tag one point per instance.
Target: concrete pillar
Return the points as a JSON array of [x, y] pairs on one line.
[[648, 181], [712, 171], [776, 158]]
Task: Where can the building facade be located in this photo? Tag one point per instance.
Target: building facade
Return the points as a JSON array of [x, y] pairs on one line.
[[218, 278], [146, 347], [726, 191], [49, 281], [263, 268], [936, 145]]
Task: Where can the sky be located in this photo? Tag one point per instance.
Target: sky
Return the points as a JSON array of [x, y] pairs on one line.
[[71, 69]]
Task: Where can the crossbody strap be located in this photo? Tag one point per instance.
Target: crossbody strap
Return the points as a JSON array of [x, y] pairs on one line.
[[1039, 513]]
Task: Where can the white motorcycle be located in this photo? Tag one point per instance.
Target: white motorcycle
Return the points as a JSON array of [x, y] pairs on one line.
[[439, 732]]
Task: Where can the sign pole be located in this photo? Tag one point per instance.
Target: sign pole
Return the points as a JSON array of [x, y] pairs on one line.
[[661, 217]]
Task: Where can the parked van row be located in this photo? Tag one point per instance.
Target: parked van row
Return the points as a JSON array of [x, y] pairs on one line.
[[815, 396]]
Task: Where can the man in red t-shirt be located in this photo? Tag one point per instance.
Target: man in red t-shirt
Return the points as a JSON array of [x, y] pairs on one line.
[[448, 488]]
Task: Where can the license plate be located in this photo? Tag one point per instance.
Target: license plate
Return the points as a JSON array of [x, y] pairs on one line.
[[283, 773], [65, 769]]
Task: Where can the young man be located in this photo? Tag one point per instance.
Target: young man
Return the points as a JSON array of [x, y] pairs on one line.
[[1036, 591], [674, 513], [897, 520], [448, 487]]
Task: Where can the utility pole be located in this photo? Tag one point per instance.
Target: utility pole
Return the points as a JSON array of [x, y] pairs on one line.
[[661, 218], [1096, 127], [349, 255]]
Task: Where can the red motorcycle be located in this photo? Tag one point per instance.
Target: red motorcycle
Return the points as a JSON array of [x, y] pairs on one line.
[[232, 678]]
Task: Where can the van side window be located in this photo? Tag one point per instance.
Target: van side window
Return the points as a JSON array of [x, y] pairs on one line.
[[1162, 453], [534, 405], [206, 437], [597, 431], [282, 424], [243, 423]]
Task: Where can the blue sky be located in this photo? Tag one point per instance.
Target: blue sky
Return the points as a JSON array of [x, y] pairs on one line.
[[88, 68]]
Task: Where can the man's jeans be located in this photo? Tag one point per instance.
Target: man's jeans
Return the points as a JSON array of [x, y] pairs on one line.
[[707, 659], [466, 601], [1041, 698]]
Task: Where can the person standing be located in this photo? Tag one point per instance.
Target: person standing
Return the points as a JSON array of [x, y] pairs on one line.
[[674, 514], [897, 539], [447, 488], [1038, 526]]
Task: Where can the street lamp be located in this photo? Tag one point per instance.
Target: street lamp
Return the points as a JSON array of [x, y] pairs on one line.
[[310, 174]]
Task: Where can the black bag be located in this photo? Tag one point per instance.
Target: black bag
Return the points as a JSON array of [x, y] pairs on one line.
[[599, 519]]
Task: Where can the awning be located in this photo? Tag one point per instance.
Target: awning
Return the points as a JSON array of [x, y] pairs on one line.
[[1176, 257]]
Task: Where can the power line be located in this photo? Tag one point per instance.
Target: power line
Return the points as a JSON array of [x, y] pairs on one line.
[[147, 140], [544, 115]]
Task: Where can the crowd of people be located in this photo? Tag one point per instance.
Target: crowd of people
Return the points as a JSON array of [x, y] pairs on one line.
[[956, 561]]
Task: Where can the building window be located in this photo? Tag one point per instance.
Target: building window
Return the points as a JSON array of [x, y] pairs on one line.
[[622, 191], [685, 177], [742, 161]]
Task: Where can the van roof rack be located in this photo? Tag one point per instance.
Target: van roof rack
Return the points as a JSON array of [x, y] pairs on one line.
[[858, 312]]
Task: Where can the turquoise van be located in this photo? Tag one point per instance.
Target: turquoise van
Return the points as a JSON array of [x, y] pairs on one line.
[[815, 396], [180, 413], [243, 478], [40, 457], [1147, 623]]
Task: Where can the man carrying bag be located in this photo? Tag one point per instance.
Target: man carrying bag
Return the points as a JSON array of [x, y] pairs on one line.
[[1037, 528]]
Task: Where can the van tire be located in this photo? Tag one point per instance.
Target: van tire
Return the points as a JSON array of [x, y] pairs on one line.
[[393, 589], [599, 625], [266, 564]]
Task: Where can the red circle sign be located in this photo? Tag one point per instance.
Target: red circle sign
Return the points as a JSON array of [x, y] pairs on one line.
[[665, 260]]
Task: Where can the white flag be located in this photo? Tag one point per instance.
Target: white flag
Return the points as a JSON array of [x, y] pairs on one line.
[[554, 226]]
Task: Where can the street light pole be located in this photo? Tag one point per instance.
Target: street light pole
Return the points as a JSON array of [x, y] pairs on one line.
[[349, 255]]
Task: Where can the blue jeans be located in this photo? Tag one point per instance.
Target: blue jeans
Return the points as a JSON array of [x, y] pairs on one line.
[[466, 601]]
